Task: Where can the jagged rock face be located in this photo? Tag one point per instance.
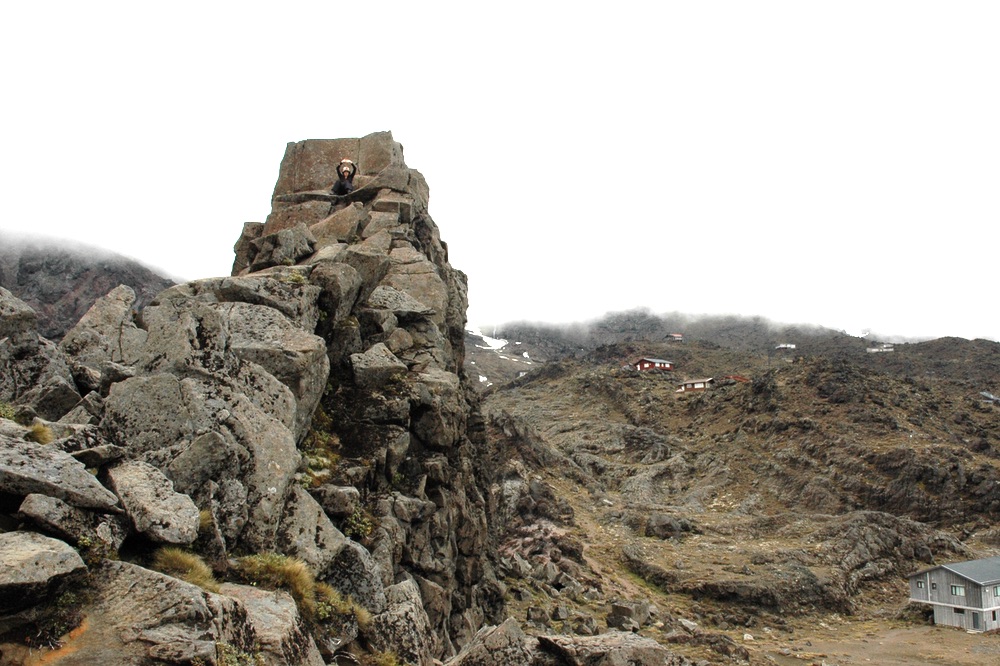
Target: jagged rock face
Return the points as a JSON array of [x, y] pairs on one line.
[[196, 413], [61, 283], [392, 315]]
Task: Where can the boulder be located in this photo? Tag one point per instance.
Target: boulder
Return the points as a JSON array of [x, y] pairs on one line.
[[306, 210], [285, 247], [312, 164], [281, 636], [28, 467], [440, 408], [186, 338], [401, 304], [207, 457], [52, 398], [376, 367], [355, 574], [283, 288], [380, 221], [403, 628], [503, 645], [305, 532], [340, 284], [609, 649], [143, 414], [106, 333], [412, 273], [297, 359], [343, 226], [339, 501], [244, 248], [151, 503], [18, 324], [30, 565], [140, 616], [73, 524]]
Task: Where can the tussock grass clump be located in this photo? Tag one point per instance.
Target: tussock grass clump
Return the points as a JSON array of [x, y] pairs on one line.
[[204, 520], [6, 411], [42, 434], [330, 604], [186, 566], [318, 602], [272, 570], [381, 659]]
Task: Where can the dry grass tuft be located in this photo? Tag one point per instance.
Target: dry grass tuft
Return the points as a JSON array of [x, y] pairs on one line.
[[42, 434], [279, 571], [330, 603], [186, 566], [381, 659]]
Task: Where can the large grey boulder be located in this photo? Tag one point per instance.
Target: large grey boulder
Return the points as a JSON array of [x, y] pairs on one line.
[[28, 467], [159, 418], [609, 649], [143, 414], [73, 524], [503, 645], [306, 532], [355, 574], [443, 413], [186, 338], [18, 324], [340, 286], [399, 303], [36, 374], [150, 501], [139, 617], [281, 635], [106, 333], [404, 627], [343, 226], [29, 565], [376, 367], [296, 358], [52, 398], [284, 289], [413, 274], [286, 246]]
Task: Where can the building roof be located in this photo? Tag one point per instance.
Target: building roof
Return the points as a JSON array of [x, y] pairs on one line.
[[696, 381], [983, 571], [653, 360]]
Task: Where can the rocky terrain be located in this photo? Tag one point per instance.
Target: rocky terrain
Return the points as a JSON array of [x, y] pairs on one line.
[[61, 282], [311, 461], [756, 512]]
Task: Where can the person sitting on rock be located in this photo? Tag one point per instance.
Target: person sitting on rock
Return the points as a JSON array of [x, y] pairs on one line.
[[345, 177]]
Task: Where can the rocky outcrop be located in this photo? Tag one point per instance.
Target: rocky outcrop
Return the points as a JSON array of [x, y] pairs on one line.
[[30, 564], [311, 405], [29, 467]]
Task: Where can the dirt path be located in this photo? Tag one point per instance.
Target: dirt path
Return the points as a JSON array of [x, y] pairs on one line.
[[913, 646]]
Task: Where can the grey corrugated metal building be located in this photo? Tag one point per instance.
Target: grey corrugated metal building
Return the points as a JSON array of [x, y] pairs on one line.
[[963, 594]]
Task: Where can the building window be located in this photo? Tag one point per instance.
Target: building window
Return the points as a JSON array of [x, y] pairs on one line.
[[920, 584], [959, 611], [996, 591], [933, 586], [994, 616], [958, 590]]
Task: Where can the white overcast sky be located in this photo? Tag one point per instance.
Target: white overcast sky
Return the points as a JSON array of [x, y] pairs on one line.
[[834, 163]]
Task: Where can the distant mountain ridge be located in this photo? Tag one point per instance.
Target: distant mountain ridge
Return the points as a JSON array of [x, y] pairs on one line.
[[642, 333], [60, 281]]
